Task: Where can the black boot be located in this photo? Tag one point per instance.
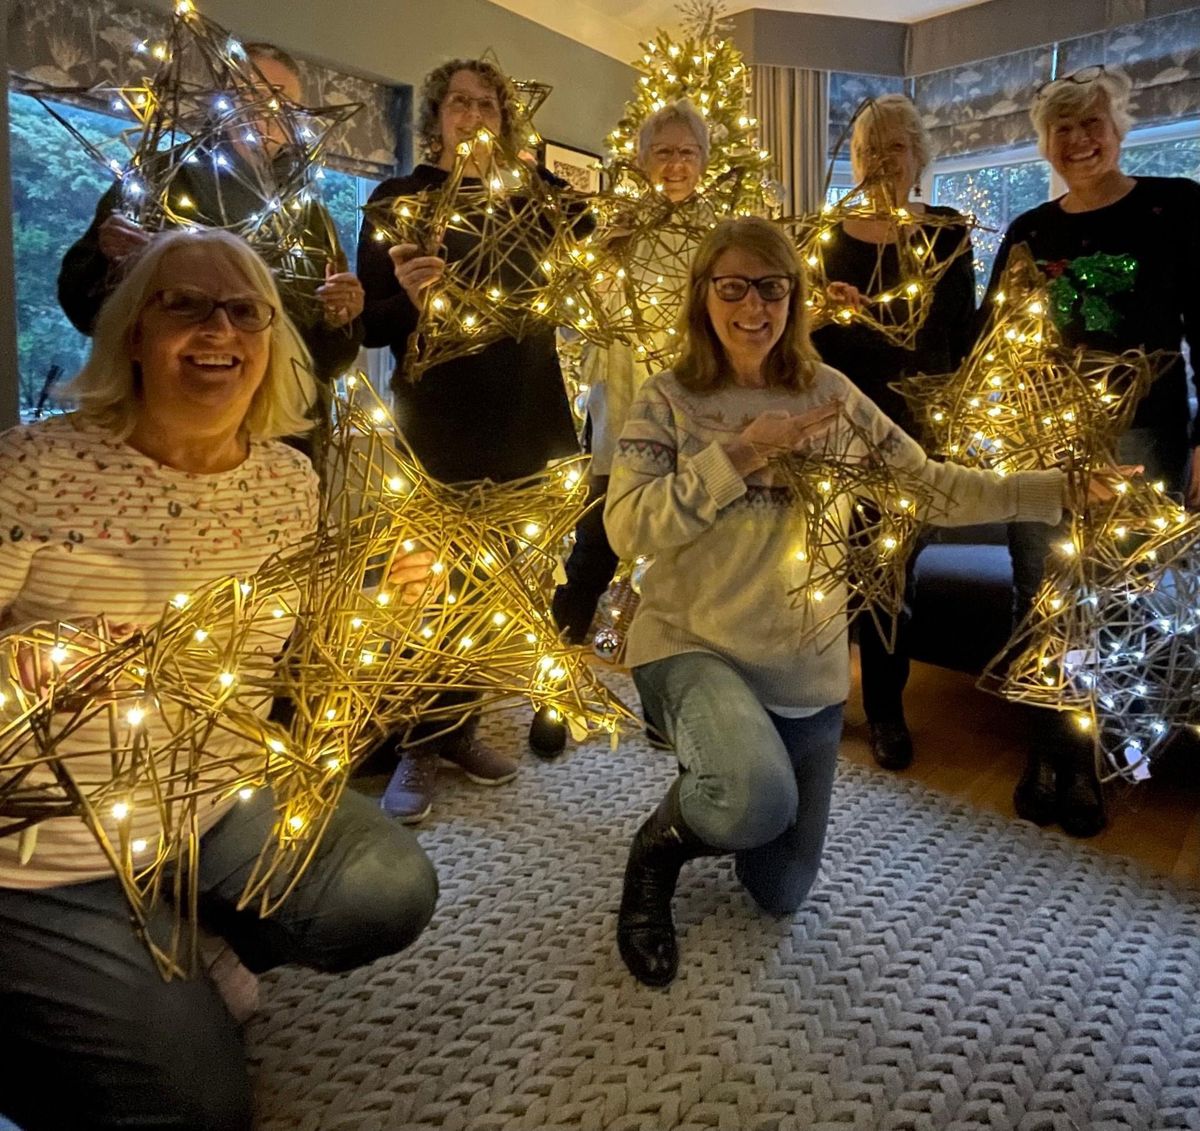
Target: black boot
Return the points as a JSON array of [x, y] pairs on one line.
[[1080, 801], [1036, 796], [645, 929]]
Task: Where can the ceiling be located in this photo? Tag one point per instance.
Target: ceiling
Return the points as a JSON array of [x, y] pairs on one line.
[[616, 27]]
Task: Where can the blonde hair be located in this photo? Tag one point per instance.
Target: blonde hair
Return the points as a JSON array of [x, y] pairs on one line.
[[875, 117], [678, 113], [107, 388], [702, 365], [1108, 89]]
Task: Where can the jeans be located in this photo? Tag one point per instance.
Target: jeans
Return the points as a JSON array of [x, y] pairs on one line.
[[92, 1037], [752, 783]]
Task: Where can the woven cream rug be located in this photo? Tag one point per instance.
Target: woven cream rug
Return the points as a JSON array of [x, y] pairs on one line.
[[951, 970]]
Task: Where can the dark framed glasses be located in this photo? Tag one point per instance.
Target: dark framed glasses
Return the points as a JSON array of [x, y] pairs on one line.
[[245, 312], [733, 288], [1079, 78]]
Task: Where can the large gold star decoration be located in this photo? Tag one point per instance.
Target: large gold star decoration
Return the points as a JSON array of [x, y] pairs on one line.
[[859, 519], [1114, 634], [202, 117], [1022, 400], [520, 253], [175, 715], [897, 300]]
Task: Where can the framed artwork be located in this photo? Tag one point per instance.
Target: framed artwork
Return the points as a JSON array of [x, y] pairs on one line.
[[579, 168]]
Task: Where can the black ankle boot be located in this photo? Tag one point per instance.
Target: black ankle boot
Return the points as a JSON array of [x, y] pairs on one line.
[[1080, 801], [1036, 796], [645, 929]]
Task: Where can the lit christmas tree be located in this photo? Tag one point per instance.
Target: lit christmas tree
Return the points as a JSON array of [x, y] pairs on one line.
[[706, 68]]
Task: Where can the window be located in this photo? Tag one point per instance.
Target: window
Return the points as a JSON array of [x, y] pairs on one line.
[[996, 193], [55, 190], [56, 187]]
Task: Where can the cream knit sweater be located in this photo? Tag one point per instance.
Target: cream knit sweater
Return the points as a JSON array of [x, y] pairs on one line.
[[724, 548]]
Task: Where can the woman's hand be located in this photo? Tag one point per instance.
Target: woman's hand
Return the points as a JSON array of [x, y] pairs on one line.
[[40, 663], [119, 236], [341, 297], [410, 575], [845, 294], [778, 432], [414, 271]]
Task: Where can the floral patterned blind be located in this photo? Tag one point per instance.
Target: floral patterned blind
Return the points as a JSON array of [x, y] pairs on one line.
[[67, 43], [846, 93], [985, 106]]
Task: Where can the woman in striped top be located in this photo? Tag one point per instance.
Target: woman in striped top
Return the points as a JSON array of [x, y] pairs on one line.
[[169, 475]]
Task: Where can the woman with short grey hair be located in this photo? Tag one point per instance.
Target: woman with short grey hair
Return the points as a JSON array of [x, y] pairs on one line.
[[672, 153], [1122, 252]]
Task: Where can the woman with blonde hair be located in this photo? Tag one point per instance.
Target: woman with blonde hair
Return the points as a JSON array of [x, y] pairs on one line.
[[1121, 254], [889, 151], [750, 701], [169, 475]]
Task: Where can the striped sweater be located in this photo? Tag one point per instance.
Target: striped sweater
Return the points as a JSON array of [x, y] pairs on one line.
[[88, 525], [725, 549]]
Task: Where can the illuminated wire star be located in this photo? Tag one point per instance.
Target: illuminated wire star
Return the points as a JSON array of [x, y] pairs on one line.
[[1022, 400], [1114, 634], [924, 247], [513, 245], [207, 116], [139, 737], [861, 518]]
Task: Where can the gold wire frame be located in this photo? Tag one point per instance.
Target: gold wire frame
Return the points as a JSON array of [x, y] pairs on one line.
[[521, 251], [205, 99], [179, 708]]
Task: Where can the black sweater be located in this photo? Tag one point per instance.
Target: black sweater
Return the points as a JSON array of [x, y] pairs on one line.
[[499, 414], [222, 198], [866, 356], [1157, 224]]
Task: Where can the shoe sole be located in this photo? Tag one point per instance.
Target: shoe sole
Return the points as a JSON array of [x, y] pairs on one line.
[[409, 818], [478, 779]]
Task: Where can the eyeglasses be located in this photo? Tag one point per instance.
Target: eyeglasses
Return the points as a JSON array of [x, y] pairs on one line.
[[244, 312], [686, 154], [733, 288], [458, 103], [1079, 78]]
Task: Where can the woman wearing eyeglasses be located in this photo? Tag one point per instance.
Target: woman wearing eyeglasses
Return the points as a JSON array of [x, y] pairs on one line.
[[498, 414], [889, 149], [1121, 252], [754, 715], [169, 475]]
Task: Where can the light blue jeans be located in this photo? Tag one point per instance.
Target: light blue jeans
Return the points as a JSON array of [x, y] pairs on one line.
[[751, 783]]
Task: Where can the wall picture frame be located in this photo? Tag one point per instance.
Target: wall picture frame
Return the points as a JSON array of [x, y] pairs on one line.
[[578, 167]]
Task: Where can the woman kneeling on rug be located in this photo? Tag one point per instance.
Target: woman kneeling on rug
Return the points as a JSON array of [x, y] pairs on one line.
[[168, 476], [753, 712]]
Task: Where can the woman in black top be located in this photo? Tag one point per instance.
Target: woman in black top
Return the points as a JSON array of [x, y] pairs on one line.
[[498, 414], [1123, 253], [889, 149]]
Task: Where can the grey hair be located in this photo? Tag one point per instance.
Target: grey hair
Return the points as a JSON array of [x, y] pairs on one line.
[[678, 113], [1064, 96], [107, 388], [881, 113]]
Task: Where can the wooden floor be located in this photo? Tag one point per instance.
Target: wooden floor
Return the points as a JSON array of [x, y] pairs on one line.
[[969, 746]]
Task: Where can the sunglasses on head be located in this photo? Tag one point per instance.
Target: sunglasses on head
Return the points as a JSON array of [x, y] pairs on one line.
[[1079, 78]]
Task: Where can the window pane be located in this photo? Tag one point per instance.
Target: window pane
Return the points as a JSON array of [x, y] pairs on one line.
[[55, 190], [997, 195], [343, 193], [1179, 158]]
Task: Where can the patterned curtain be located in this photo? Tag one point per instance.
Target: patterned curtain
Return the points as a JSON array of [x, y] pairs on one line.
[[67, 43], [847, 93], [985, 106], [792, 108]]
